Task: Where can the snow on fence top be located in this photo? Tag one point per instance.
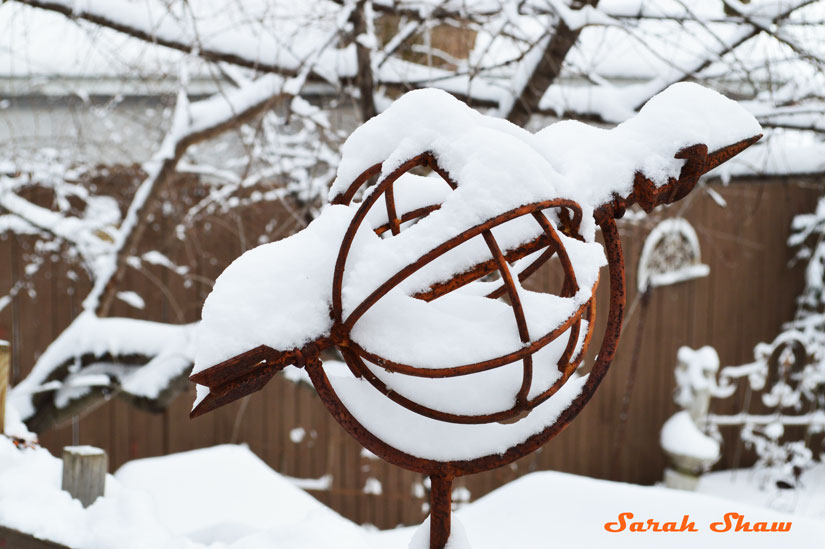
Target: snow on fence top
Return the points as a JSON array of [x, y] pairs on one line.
[[417, 278]]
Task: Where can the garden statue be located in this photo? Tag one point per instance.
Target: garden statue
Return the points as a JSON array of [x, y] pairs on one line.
[[453, 366]]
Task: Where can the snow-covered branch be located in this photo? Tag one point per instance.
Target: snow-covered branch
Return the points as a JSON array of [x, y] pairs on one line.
[[94, 356], [522, 74], [191, 124], [152, 23]]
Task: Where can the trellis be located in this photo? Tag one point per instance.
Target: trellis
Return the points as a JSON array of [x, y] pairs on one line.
[[784, 387]]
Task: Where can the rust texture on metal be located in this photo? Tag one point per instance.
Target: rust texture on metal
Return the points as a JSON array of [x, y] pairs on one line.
[[248, 372], [441, 491], [645, 192]]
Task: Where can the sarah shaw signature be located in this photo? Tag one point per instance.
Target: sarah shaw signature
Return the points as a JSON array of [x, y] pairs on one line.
[[731, 522]]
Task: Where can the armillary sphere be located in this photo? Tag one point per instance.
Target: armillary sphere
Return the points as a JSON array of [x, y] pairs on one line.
[[414, 272]]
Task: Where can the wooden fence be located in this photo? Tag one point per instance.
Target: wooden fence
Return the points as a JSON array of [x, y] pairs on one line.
[[749, 293]]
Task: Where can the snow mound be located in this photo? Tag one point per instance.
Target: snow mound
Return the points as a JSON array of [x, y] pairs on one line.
[[753, 486], [188, 485], [31, 501], [458, 536], [217, 498], [681, 436], [575, 509]]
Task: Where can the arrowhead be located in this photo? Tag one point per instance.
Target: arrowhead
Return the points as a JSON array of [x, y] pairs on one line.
[[248, 372], [697, 163], [239, 376]]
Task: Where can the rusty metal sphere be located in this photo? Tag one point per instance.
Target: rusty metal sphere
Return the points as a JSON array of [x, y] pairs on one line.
[[250, 371], [547, 245]]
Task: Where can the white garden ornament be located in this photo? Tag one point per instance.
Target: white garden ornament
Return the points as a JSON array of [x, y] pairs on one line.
[[670, 255]]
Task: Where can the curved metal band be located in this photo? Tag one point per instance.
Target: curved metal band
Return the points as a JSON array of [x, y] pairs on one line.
[[357, 365], [424, 159], [484, 463], [394, 280], [473, 367], [346, 244]]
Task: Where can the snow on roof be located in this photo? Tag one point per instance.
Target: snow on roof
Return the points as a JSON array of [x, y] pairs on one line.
[[226, 497]]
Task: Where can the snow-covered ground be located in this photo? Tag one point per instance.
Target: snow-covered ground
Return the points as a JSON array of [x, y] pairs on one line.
[[226, 498], [759, 487]]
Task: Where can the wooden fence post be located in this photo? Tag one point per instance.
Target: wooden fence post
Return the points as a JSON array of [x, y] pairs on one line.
[[84, 472], [5, 361]]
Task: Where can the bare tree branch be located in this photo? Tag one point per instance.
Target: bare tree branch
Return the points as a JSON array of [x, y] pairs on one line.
[[713, 54], [546, 71], [146, 199], [192, 124], [364, 40], [125, 19]]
